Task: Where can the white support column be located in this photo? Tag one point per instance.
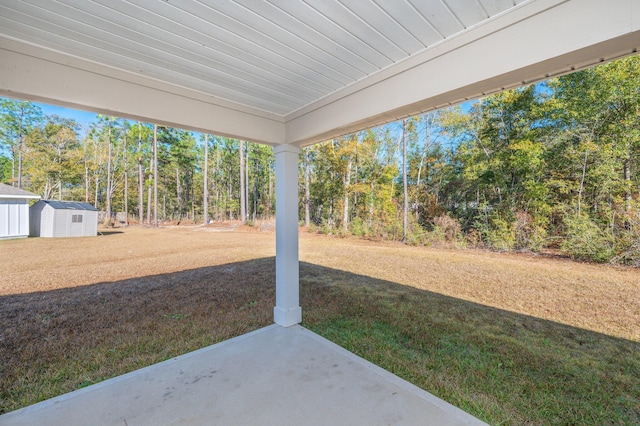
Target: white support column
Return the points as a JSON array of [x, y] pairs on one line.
[[287, 311]]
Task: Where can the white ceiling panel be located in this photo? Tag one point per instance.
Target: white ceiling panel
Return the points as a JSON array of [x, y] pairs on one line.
[[412, 23], [439, 15], [469, 13], [296, 71], [277, 56], [387, 24], [493, 7]]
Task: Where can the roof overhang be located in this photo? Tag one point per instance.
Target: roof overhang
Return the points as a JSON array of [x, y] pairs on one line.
[[529, 42], [19, 197]]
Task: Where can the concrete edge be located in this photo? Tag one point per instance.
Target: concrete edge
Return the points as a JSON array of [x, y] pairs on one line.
[[78, 392], [450, 409]]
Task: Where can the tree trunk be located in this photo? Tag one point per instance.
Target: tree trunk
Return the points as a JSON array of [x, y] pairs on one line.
[[109, 184], [205, 194], [155, 175], [179, 199], [271, 180], [217, 185], [371, 201], [95, 202], [86, 183], [427, 143], [193, 199], [246, 182], [345, 209], [149, 191], [86, 173], [307, 196], [47, 190], [584, 172], [405, 209], [126, 178], [627, 183], [140, 177], [20, 147], [13, 166], [243, 207], [59, 161]]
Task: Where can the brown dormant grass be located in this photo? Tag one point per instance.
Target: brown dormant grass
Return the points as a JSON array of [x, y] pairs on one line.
[[594, 297], [77, 311]]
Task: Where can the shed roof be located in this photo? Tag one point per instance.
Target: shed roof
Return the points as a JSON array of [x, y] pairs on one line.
[[8, 191], [70, 205]]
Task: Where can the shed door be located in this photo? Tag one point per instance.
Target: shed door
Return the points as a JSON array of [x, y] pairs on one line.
[[14, 219], [77, 226]]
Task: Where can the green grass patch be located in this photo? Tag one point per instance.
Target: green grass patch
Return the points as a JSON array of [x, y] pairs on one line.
[[502, 367]]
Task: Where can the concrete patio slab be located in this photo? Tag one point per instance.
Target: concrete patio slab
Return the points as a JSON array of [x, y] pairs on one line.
[[273, 376]]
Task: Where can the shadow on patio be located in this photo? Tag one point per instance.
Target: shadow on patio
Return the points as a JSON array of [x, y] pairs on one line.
[[495, 364]]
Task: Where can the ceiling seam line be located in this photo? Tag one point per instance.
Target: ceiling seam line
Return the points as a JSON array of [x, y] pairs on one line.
[[482, 8], [372, 28], [425, 19], [455, 15], [346, 31], [306, 41], [281, 44], [253, 114], [383, 10], [191, 41], [158, 76], [289, 60], [184, 71], [239, 49], [430, 59], [365, 73]]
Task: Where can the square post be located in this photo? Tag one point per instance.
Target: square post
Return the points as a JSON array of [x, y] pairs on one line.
[[287, 311]]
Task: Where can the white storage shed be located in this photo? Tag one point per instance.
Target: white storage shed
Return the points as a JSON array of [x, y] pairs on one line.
[[14, 211], [52, 219]]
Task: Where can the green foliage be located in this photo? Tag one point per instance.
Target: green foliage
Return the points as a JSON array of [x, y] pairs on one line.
[[112, 164], [530, 232], [499, 232], [507, 172], [5, 169], [585, 240], [519, 170], [54, 161]]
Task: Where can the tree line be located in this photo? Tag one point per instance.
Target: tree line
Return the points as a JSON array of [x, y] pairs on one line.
[[547, 166], [147, 172]]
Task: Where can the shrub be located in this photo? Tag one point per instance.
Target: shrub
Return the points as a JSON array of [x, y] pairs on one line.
[[416, 235], [628, 241], [359, 228], [585, 240], [530, 234], [448, 227], [498, 233]]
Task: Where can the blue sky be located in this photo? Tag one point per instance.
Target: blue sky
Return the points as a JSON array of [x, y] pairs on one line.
[[84, 118]]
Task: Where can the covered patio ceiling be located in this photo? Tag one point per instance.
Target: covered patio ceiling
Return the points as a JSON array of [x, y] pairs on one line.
[[296, 72], [291, 73]]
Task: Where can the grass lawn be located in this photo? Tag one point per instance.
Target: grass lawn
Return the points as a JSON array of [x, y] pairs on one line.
[[511, 339]]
